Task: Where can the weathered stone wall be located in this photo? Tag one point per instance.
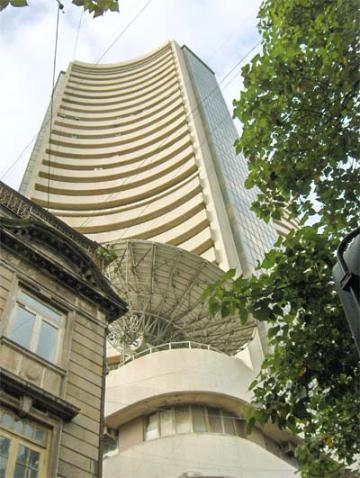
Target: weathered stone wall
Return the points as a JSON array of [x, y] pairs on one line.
[[73, 448]]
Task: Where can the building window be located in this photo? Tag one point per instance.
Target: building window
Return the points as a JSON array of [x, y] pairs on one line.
[[229, 424], [110, 446], [198, 419], [215, 425], [167, 423], [22, 447], [152, 428], [36, 326], [182, 419], [192, 418]]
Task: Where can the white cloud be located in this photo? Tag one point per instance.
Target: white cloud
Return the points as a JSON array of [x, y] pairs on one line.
[[219, 32]]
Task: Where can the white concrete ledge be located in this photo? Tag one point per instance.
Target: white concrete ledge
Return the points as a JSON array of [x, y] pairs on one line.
[[207, 454]]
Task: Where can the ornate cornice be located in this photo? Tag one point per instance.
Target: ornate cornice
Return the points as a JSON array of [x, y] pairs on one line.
[[44, 241], [23, 208]]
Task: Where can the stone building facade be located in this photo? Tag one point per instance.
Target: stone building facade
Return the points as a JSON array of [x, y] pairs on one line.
[[55, 307]]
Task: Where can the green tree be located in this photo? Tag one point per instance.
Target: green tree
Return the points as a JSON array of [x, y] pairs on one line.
[[300, 116], [97, 7]]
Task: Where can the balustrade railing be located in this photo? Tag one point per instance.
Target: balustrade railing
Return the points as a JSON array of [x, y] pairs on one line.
[[186, 344]]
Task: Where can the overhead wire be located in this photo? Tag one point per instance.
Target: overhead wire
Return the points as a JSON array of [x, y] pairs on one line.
[[78, 33], [19, 156], [59, 7], [116, 39]]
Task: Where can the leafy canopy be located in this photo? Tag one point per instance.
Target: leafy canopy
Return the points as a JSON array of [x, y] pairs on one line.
[[300, 116], [97, 7]]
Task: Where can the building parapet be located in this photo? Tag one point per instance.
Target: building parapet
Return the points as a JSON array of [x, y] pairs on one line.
[[116, 362]]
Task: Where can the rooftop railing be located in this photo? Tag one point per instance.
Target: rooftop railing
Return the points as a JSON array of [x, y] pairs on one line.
[[186, 344]]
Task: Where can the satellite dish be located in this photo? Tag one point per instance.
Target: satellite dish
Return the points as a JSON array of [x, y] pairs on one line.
[[163, 287]]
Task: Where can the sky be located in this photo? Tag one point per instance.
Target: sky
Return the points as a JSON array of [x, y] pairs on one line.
[[220, 32]]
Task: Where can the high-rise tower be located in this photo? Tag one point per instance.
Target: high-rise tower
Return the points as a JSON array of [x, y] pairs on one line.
[[139, 156]]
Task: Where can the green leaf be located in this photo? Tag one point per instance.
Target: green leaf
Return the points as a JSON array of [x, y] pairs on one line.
[[3, 4], [273, 331], [315, 365], [250, 425], [228, 275], [253, 384], [18, 3], [114, 7], [269, 260]]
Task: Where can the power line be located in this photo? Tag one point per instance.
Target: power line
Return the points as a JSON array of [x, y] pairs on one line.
[[240, 61], [123, 31], [19, 156], [78, 33], [60, 7]]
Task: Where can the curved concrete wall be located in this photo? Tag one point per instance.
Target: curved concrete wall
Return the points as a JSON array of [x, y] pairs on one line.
[[205, 454], [122, 158], [176, 376]]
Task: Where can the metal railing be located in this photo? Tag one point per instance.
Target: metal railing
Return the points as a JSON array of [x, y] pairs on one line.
[[188, 344]]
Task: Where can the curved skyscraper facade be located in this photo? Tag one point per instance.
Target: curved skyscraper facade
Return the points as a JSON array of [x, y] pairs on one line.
[[139, 157]]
